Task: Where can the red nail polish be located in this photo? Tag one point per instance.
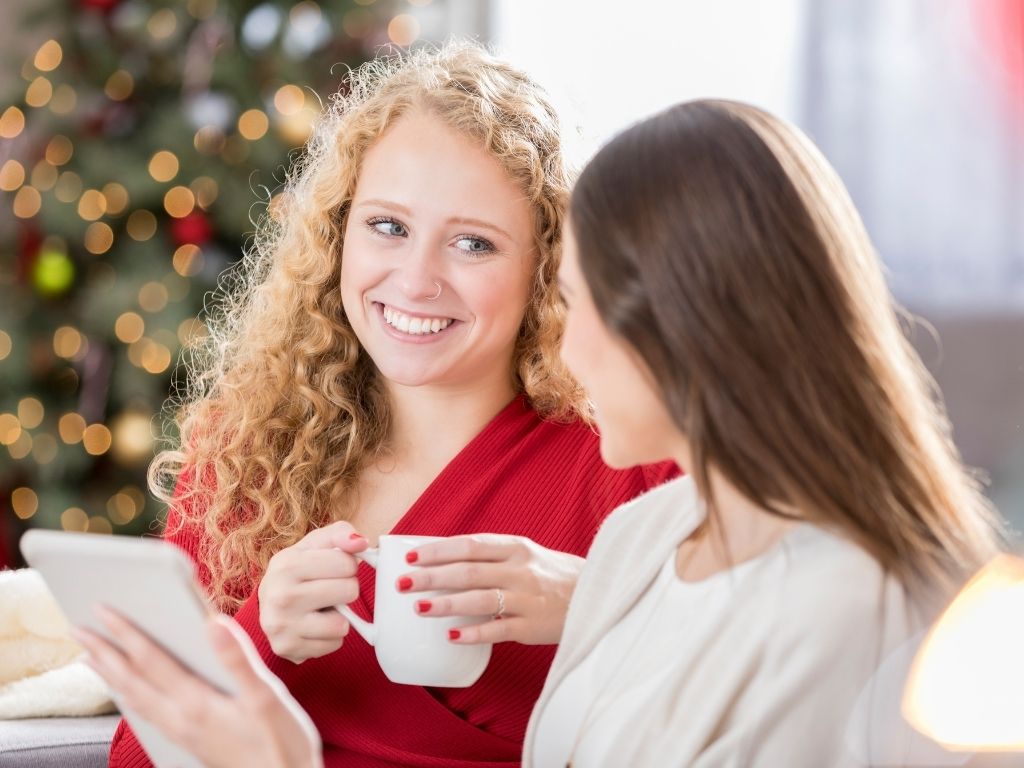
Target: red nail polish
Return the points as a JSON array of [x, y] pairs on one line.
[[411, 557], [422, 606], [454, 634], [356, 536], [404, 584]]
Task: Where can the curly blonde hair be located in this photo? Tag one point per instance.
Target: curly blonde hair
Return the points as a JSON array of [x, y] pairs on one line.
[[283, 408]]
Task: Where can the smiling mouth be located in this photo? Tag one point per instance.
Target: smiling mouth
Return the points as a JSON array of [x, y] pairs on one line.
[[414, 326]]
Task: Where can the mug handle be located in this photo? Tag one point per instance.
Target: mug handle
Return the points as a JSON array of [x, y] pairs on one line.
[[365, 628]]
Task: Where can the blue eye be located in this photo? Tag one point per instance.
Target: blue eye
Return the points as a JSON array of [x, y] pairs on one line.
[[474, 244], [388, 227]]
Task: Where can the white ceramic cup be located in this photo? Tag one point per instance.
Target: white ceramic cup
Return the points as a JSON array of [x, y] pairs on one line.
[[414, 649]]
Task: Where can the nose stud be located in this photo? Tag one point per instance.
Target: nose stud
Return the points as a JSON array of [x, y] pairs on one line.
[[437, 295]]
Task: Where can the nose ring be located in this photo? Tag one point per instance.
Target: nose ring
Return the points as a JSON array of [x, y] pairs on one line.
[[437, 295]]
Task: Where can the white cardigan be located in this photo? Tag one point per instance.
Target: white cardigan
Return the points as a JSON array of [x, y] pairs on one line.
[[778, 683]]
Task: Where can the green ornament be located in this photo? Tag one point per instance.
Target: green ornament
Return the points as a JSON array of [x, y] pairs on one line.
[[53, 273]]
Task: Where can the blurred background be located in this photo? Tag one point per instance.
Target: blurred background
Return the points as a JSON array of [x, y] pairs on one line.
[[139, 139]]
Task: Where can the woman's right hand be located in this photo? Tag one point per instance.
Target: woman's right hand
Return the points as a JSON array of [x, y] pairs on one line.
[[302, 587]]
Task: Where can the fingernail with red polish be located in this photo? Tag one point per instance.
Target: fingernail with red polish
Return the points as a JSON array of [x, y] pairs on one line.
[[354, 536], [454, 634], [404, 584], [411, 557], [423, 606]]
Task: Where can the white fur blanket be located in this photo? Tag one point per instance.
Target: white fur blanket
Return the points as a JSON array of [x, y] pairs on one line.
[[40, 675]]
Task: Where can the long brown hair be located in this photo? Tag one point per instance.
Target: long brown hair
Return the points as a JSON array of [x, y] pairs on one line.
[[721, 245]]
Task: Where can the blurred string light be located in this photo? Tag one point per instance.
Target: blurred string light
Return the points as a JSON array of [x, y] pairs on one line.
[[92, 205], [119, 85], [44, 176], [10, 428], [201, 9], [67, 342], [163, 166], [69, 187], [253, 124], [27, 202], [129, 327], [404, 29], [260, 26], [24, 502], [12, 175], [30, 412], [133, 445], [141, 225], [48, 57], [74, 519], [5, 344], [96, 439], [99, 238], [12, 123], [44, 449], [307, 30], [205, 190], [153, 297], [71, 427], [117, 198], [59, 150], [188, 260], [39, 92]]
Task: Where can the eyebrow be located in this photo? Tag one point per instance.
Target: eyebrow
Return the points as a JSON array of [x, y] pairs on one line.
[[453, 220]]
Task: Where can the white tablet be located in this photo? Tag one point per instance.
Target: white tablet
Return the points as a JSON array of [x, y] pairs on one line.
[[150, 582]]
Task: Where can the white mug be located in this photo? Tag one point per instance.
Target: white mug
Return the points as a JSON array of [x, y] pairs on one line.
[[414, 649]]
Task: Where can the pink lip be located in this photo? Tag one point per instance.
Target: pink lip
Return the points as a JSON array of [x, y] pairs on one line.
[[408, 338]]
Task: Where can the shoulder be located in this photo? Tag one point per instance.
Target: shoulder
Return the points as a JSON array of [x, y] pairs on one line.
[[834, 590]]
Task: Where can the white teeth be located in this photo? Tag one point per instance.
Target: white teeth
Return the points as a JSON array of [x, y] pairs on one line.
[[415, 325]]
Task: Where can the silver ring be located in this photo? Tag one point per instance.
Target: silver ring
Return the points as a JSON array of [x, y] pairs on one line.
[[501, 604], [437, 295]]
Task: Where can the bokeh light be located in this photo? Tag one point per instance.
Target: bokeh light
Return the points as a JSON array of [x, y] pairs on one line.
[[141, 225], [12, 175], [96, 439], [163, 166], [24, 502], [48, 56], [98, 238], [129, 327], [71, 427]]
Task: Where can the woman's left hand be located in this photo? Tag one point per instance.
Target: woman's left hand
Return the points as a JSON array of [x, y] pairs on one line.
[[490, 572], [261, 724]]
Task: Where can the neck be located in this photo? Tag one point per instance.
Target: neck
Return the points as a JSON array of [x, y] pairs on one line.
[[737, 529], [440, 420]]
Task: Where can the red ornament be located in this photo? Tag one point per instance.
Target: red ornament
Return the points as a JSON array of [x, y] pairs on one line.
[[104, 6], [194, 228]]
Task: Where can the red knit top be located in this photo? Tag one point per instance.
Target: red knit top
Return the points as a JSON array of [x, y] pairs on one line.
[[521, 475]]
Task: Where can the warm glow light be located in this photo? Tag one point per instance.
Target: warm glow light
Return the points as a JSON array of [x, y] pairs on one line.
[[27, 203], [403, 29], [99, 524], [179, 202], [129, 327], [253, 124], [188, 260], [96, 439], [12, 123], [295, 129], [66, 342], [21, 447], [69, 187], [209, 140], [289, 99], [12, 175], [205, 190], [162, 24], [24, 502], [74, 519], [119, 85], [92, 205], [48, 56], [153, 296], [121, 508], [163, 166], [156, 358], [141, 225], [98, 238], [30, 412], [71, 428], [966, 687], [117, 198], [10, 428], [191, 330], [5, 344], [133, 444], [64, 100], [44, 176], [59, 150], [39, 92]]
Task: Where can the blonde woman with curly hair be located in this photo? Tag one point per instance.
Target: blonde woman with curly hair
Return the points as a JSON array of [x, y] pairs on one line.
[[386, 362]]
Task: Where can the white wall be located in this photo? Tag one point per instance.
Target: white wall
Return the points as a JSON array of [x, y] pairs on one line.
[[608, 64]]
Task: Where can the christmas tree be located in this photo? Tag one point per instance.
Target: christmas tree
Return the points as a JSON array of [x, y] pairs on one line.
[[148, 138]]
